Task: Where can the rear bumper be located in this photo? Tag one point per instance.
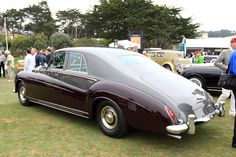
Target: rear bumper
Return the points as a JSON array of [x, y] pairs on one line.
[[189, 127]]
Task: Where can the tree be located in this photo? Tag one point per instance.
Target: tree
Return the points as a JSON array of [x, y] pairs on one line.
[[21, 43], [40, 18], [14, 20], [60, 40], [167, 26], [90, 42], [114, 19], [70, 21], [221, 33], [40, 41]]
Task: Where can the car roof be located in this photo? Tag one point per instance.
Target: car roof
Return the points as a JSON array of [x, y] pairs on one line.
[[100, 51]]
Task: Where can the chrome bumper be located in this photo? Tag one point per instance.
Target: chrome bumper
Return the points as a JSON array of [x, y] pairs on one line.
[[181, 128], [189, 127]]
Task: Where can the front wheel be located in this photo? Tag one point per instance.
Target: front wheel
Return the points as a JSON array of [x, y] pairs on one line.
[[110, 119], [22, 95]]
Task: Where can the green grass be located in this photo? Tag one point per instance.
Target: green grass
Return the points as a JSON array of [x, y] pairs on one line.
[[41, 132]]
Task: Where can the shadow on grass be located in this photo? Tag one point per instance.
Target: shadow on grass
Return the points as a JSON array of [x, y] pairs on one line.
[[203, 132]]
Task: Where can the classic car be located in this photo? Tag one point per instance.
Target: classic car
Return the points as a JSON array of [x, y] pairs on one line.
[[210, 58], [169, 59], [205, 75], [120, 88]]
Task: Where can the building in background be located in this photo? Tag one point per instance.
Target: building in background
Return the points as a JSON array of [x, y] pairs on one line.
[[210, 46]]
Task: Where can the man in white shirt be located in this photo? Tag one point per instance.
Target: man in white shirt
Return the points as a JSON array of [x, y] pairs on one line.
[[29, 64], [33, 53]]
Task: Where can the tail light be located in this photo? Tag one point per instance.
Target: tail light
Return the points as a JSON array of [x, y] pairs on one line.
[[171, 114]]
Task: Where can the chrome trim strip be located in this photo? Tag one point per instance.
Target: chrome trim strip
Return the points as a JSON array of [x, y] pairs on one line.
[[61, 108]]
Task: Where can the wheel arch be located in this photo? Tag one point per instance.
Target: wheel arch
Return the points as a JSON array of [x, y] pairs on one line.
[[17, 84], [96, 102], [169, 64]]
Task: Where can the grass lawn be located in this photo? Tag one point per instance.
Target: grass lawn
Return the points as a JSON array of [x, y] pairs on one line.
[[40, 131]]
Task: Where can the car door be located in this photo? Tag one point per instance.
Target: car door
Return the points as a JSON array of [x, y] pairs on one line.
[[50, 88], [77, 81]]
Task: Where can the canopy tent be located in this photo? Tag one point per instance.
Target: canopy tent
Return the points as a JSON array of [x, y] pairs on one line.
[[220, 43]]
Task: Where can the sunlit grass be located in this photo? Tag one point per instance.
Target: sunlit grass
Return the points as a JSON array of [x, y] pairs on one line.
[[41, 131]]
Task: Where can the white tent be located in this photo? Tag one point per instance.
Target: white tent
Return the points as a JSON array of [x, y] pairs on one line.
[[125, 43], [209, 43]]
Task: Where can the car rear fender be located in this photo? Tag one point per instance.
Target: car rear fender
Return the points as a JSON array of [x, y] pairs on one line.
[[141, 111]]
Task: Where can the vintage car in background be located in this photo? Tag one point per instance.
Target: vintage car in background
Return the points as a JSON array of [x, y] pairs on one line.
[[210, 58], [120, 88], [205, 75], [170, 59], [19, 65]]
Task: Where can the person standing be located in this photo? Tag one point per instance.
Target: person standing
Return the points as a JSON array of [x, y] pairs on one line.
[[222, 62], [29, 64], [199, 58], [48, 53], [193, 59], [232, 71], [40, 59], [2, 66], [33, 58], [10, 65]]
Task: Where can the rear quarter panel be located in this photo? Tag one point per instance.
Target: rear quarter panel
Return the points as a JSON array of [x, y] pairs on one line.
[[141, 111]]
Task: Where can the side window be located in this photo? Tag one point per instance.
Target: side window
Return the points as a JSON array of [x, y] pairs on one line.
[[57, 60], [76, 62], [160, 54]]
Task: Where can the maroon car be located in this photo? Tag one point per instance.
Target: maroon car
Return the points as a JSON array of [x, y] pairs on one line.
[[120, 88]]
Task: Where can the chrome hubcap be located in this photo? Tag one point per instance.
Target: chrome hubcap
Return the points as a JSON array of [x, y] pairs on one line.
[[109, 117], [22, 94]]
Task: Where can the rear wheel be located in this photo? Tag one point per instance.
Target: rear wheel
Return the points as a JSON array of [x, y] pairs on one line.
[[22, 95], [110, 119], [198, 81]]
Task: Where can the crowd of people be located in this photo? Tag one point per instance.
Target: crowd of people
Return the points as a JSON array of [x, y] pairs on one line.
[[197, 57], [33, 59]]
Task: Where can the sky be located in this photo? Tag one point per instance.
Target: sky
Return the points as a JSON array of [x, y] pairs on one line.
[[210, 14]]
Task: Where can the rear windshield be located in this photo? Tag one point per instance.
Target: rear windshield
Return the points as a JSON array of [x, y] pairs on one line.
[[138, 63]]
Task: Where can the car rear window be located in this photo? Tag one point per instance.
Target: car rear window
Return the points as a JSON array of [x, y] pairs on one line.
[[140, 64]]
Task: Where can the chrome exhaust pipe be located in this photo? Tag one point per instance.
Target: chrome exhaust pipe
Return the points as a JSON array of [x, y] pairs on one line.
[[175, 136]]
